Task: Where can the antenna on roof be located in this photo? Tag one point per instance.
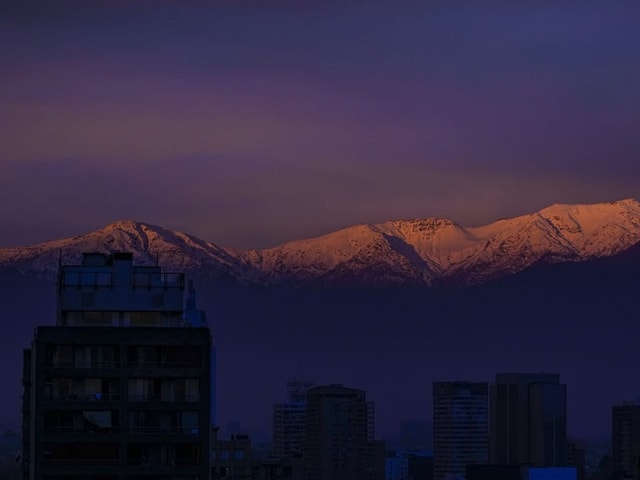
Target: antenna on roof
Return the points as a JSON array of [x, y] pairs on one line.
[[60, 258]]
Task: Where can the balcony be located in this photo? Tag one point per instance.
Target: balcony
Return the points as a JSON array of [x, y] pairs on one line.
[[92, 364], [157, 430], [66, 430], [86, 397], [79, 461], [152, 364], [176, 398], [154, 279], [86, 278]]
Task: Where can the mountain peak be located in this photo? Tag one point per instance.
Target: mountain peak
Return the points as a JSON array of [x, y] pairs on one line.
[[421, 251], [130, 225], [629, 201], [616, 205]]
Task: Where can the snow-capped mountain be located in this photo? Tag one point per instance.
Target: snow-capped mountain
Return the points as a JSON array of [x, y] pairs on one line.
[[174, 250], [404, 252], [431, 250]]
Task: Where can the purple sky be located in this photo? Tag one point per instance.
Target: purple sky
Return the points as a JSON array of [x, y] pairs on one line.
[[249, 125]]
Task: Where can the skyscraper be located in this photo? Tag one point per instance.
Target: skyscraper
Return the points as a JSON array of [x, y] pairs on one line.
[[625, 435], [337, 439], [289, 420], [528, 420], [460, 427], [120, 387]]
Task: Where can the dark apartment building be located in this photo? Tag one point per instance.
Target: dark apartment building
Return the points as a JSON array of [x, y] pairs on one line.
[[576, 457], [339, 443], [232, 459], [528, 423], [289, 420], [625, 436], [120, 387], [460, 427], [236, 459]]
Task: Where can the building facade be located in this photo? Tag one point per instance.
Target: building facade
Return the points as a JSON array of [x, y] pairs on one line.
[[460, 428], [120, 387], [396, 467], [625, 436], [338, 444], [528, 420], [576, 457], [289, 420]]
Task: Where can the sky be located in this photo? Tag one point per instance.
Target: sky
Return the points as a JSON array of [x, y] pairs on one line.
[[251, 123]]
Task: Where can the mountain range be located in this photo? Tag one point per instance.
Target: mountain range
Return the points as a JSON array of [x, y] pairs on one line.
[[418, 252], [552, 291]]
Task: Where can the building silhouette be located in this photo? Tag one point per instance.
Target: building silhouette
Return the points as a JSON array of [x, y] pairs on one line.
[[289, 420], [528, 420], [339, 442], [576, 457], [408, 465], [120, 387], [460, 427], [625, 436]]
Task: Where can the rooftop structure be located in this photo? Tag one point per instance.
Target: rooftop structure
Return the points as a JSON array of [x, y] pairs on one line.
[[120, 387]]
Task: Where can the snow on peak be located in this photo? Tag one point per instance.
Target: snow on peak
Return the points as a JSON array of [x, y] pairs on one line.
[[149, 243], [420, 250]]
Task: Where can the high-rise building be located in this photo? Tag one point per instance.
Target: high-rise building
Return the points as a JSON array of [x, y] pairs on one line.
[[576, 457], [460, 427], [289, 420], [338, 444], [625, 435], [120, 387], [528, 420]]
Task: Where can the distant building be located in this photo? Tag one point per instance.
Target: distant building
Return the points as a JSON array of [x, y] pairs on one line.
[[421, 466], [338, 443], [460, 427], [396, 467], [528, 420], [625, 435], [289, 420], [236, 459], [231, 459], [120, 387], [576, 457], [409, 465]]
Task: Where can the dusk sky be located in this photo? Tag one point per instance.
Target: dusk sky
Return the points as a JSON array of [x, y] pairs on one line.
[[250, 123]]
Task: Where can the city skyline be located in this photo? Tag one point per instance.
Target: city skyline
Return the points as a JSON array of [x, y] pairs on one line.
[[250, 124], [338, 334], [289, 120], [92, 297]]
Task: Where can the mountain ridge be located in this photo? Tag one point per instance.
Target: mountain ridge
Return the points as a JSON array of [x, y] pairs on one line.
[[421, 251]]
